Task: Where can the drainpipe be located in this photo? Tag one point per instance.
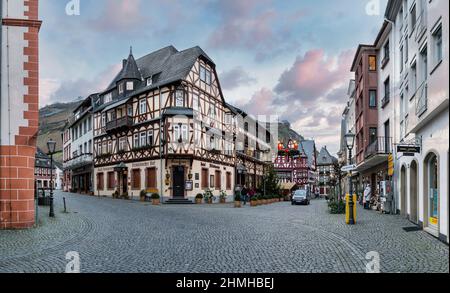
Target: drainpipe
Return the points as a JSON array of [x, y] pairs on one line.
[[394, 151]]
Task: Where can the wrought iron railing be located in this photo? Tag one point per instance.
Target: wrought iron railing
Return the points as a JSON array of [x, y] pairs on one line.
[[385, 100], [381, 146], [420, 27], [79, 161], [421, 98]]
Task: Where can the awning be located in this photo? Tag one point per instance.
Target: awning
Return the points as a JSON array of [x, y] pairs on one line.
[[287, 185]]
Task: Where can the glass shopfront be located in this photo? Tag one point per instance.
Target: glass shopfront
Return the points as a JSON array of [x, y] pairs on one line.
[[433, 193]]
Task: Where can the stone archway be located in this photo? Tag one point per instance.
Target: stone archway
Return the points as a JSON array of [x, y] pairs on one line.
[[403, 186], [413, 194]]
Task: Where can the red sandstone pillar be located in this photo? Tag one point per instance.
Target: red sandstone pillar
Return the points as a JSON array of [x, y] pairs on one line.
[[19, 112]]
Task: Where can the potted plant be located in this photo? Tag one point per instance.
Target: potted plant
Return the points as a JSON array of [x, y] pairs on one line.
[[209, 196], [254, 201], [223, 196], [142, 195], [199, 198], [237, 200], [265, 200], [155, 199], [115, 194], [259, 199]]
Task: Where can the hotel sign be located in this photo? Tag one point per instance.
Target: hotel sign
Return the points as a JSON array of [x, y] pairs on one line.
[[408, 149]]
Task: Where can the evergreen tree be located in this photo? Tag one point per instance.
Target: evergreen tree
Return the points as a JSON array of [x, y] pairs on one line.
[[271, 182]]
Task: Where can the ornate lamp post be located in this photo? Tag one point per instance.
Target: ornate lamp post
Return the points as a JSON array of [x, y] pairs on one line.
[[350, 142], [51, 145]]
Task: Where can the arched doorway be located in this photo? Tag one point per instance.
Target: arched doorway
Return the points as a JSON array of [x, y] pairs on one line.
[[403, 186], [413, 194], [431, 192]]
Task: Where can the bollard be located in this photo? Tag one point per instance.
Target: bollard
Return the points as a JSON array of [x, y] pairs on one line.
[[64, 200], [347, 208]]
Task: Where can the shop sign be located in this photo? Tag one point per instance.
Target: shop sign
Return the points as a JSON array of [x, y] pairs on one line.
[[189, 185], [433, 221], [348, 168], [143, 164], [408, 149], [391, 165]]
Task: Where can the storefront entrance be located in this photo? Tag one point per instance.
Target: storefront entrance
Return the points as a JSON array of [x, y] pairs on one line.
[[432, 192], [404, 184], [413, 217], [178, 182]]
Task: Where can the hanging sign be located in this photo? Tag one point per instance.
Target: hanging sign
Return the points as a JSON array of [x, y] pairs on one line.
[[408, 149]]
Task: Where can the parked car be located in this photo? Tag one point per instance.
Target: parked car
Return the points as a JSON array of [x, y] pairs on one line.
[[301, 197]]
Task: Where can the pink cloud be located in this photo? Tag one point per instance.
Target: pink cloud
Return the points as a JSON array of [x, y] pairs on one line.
[[121, 16], [315, 74], [260, 103]]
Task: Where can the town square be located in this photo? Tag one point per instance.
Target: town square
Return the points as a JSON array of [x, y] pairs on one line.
[[239, 137]]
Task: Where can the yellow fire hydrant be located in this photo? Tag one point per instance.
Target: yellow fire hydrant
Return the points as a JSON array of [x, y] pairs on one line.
[[347, 208]]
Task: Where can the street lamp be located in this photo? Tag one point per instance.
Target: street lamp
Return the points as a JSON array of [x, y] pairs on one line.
[[51, 145], [350, 142]]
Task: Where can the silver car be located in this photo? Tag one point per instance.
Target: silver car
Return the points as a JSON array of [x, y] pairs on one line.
[[301, 197]]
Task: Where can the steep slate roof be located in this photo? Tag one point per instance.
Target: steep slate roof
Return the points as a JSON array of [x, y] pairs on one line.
[[42, 159], [308, 147], [130, 70], [325, 158], [167, 64]]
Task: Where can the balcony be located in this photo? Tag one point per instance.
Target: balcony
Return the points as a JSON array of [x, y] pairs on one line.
[[421, 99], [385, 101], [79, 161], [381, 146], [421, 27], [375, 154], [118, 124], [385, 61]]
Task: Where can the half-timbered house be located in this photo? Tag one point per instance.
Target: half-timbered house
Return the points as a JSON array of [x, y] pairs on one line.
[[291, 164], [162, 125]]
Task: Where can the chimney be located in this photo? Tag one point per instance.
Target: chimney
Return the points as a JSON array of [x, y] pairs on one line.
[[124, 62]]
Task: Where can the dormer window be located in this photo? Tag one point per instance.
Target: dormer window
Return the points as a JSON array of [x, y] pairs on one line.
[[108, 98], [150, 81], [120, 88], [130, 85], [179, 98]]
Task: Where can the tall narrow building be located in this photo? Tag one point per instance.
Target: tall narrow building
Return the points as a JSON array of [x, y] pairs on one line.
[[19, 87]]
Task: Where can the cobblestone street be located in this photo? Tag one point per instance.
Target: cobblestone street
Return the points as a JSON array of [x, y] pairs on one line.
[[129, 236]]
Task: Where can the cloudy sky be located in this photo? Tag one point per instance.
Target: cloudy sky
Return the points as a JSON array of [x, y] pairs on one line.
[[289, 57]]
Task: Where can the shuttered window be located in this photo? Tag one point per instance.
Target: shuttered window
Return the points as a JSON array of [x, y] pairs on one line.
[[111, 180], [228, 180], [136, 179], [205, 183], [218, 182], [151, 178], [100, 181]]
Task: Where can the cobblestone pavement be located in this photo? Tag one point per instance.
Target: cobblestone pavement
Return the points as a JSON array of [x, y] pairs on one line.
[[128, 236]]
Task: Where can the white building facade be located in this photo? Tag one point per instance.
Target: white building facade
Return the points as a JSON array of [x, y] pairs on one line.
[[78, 161], [419, 112]]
